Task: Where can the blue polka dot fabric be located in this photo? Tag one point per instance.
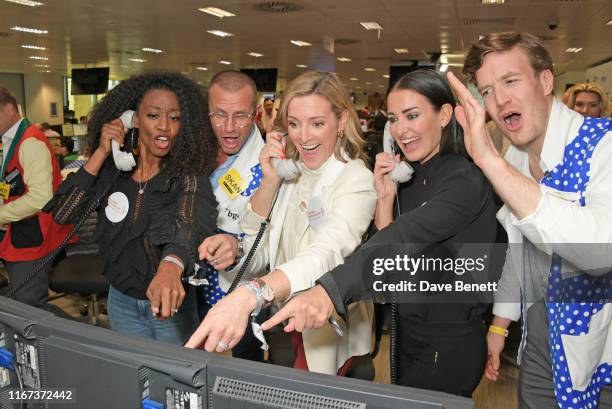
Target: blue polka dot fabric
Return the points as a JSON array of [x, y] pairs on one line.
[[213, 292], [571, 302], [255, 181]]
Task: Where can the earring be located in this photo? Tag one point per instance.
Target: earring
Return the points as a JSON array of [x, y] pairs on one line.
[[340, 133]]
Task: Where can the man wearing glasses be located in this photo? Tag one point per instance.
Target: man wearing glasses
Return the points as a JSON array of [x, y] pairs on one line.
[[232, 98]]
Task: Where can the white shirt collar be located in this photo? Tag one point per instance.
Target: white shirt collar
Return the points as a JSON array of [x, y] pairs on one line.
[[562, 127]]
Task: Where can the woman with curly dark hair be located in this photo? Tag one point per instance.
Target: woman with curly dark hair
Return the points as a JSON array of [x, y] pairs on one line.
[[155, 215]]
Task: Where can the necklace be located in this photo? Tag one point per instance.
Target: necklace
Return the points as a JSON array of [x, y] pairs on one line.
[[141, 187]]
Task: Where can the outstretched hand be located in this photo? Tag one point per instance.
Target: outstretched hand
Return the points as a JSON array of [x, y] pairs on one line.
[[471, 116], [311, 309]]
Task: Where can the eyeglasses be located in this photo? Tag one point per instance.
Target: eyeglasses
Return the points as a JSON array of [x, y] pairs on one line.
[[238, 120]]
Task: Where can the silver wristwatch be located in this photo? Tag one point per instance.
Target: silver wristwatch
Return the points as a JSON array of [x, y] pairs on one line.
[[264, 294], [240, 248]]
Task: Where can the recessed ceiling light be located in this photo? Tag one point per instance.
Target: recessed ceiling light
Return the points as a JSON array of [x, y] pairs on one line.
[[202, 68], [385, 75], [300, 43], [29, 30], [42, 65], [344, 59], [256, 55], [493, 1], [443, 67], [353, 78], [38, 57], [370, 69], [381, 86], [137, 60], [358, 87], [224, 62], [33, 47], [573, 50], [401, 50], [301, 66], [220, 33], [26, 2], [44, 71], [609, 23], [217, 12], [368, 83], [152, 50], [371, 25]]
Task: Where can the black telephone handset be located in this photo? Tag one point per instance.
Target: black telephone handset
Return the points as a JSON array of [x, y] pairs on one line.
[[402, 171], [124, 157]]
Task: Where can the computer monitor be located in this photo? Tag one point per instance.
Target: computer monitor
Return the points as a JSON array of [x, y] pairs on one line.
[[99, 368], [87, 81], [236, 383], [397, 71], [264, 78], [103, 369], [67, 130]]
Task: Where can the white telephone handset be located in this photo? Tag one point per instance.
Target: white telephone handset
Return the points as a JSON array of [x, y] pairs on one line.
[[124, 160], [402, 171], [285, 169]]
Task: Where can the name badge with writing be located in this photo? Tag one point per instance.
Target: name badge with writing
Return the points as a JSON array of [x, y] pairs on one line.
[[117, 208], [316, 212], [5, 190], [232, 183]]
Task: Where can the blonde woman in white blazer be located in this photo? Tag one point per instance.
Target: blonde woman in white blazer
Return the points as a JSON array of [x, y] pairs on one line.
[[317, 221]]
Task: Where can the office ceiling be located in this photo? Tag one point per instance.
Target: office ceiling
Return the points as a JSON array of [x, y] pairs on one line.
[[89, 33]]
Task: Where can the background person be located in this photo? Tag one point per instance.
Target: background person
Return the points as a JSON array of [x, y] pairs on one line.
[[31, 234], [589, 99]]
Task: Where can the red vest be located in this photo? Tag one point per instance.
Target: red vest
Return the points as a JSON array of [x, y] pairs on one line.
[[40, 223]]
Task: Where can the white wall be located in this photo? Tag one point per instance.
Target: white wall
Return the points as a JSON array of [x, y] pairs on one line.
[[572, 77], [40, 90], [602, 74], [14, 83]]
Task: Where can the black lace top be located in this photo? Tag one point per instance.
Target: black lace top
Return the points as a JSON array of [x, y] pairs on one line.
[[172, 216]]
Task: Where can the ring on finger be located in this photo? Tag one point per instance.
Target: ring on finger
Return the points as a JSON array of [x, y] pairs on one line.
[[222, 346]]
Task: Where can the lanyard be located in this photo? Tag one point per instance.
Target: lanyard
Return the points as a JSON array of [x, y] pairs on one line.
[[9, 155]]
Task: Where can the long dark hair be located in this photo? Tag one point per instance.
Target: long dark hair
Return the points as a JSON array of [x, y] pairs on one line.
[[435, 88], [194, 149]]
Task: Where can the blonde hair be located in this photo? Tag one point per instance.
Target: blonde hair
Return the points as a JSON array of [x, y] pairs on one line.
[[328, 85], [595, 89]]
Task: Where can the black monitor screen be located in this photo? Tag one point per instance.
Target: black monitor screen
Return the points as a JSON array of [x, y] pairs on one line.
[[397, 71], [87, 81], [265, 78]]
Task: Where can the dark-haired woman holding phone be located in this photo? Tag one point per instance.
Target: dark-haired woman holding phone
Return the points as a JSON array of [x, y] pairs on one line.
[[153, 217], [448, 202]]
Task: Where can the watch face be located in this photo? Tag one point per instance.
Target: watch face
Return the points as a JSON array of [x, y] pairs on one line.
[[268, 293]]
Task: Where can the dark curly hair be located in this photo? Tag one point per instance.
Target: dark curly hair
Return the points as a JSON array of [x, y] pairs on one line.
[[194, 149]]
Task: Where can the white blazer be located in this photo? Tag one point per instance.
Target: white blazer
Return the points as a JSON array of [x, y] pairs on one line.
[[349, 200]]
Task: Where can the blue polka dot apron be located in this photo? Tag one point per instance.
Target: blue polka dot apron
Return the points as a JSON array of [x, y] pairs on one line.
[[213, 292], [571, 302]]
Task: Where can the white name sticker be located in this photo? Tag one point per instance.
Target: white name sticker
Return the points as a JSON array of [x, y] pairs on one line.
[[117, 208], [316, 212]]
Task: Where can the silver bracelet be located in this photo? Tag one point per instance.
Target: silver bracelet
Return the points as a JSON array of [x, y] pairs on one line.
[[175, 261]]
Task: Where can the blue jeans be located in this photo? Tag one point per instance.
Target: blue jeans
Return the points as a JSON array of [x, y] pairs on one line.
[[133, 316]]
